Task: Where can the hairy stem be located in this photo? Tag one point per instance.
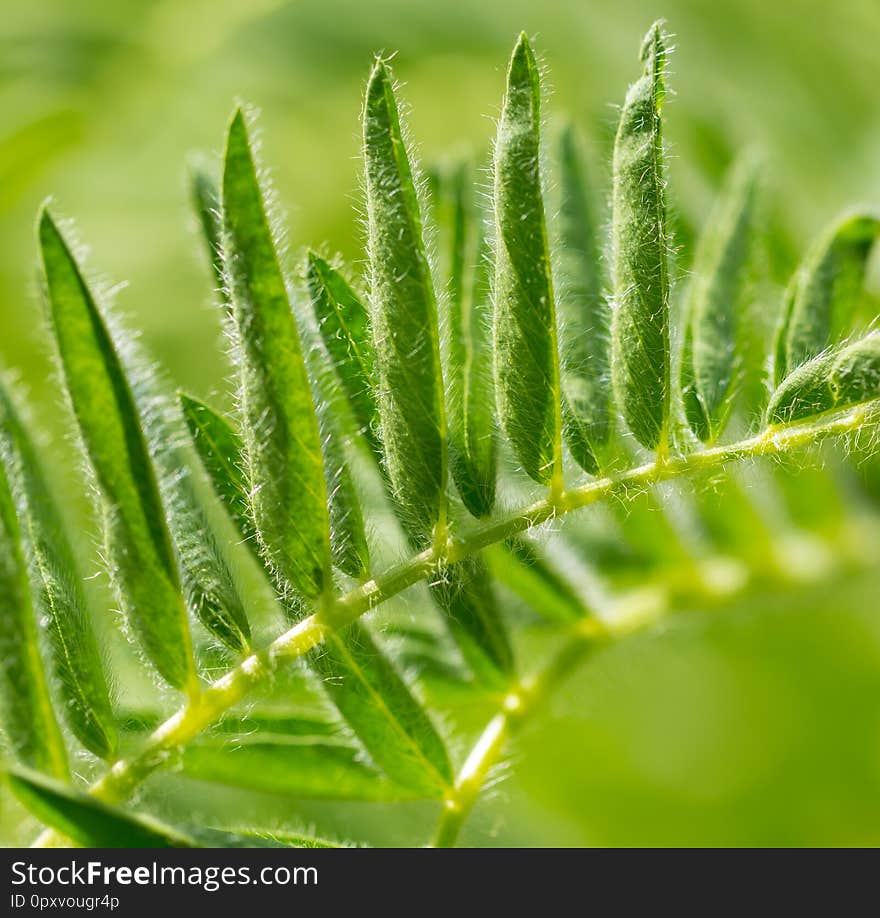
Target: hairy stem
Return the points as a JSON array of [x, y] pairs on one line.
[[589, 635], [518, 705], [209, 706]]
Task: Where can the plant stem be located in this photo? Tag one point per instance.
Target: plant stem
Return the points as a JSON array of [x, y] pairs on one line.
[[590, 635], [209, 706], [519, 703]]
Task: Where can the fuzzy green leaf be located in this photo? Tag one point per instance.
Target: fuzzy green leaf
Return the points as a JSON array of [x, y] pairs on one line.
[[76, 662], [378, 705], [270, 764], [88, 822], [348, 536], [519, 566], [585, 316], [472, 444], [209, 586], [206, 205], [279, 426], [713, 343], [219, 447], [834, 380], [254, 837], [344, 323], [25, 704], [821, 299], [855, 376], [640, 320], [524, 322], [144, 567], [404, 317], [465, 594], [211, 592], [221, 450]]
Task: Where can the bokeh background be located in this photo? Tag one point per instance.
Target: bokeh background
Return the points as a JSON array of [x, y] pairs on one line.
[[758, 726]]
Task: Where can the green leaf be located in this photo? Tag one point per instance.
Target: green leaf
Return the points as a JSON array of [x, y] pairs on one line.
[[344, 323], [520, 566], [55, 582], [210, 588], [88, 822], [379, 707], [713, 345], [272, 765], [348, 536], [27, 716], [143, 563], [222, 451], [464, 592], [206, 205], [834, 380], [821, 299], [640, 320], [251, 837], [472, 445], [585, 315], [219, 447], [279, 426], [524, 322], [855, 375], [404, 318]]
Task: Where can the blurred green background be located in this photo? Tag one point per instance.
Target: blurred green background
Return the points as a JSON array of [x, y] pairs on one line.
[[761, 726]]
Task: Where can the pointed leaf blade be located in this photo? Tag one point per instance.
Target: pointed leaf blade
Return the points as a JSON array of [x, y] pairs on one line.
[[403, 318], [344, 323], [472, 442], [327, 771], [465, 593], [585, 314], [221, 451], [348, 537], [382, 711], [139, 545], [76, 660], [524, 322], [278, 424], [206, 205], [640, 319], [88, 822], [714, 347], [27, 716]]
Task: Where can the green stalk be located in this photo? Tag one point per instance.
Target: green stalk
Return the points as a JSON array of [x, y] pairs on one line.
[[208, 707]]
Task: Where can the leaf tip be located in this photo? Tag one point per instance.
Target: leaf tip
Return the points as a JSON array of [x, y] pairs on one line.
[[379, 79]]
